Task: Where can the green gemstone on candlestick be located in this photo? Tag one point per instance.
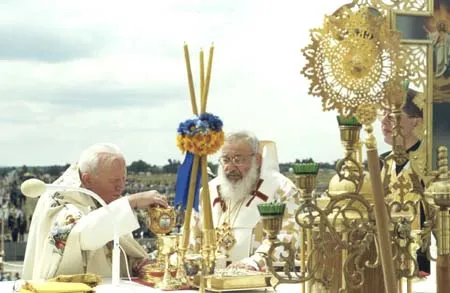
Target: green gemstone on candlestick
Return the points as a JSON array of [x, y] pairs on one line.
[[348, 121], [271, 209]]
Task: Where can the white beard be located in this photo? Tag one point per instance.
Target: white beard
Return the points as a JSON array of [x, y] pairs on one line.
[[240, 189]]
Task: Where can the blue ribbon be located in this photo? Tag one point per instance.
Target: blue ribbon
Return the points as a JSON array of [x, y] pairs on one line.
[[182, 184]]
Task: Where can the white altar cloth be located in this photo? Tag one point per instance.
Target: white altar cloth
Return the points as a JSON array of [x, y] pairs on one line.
[[423, 286]]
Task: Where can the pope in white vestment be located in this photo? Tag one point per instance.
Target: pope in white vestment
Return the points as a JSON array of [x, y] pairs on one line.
[[234, 202], [71, 234]]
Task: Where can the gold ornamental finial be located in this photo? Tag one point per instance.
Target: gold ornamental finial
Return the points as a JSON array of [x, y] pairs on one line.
[[351, 58]]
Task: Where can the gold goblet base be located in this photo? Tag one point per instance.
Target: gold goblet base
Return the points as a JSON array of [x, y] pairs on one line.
[[169, 283], [152, 273]]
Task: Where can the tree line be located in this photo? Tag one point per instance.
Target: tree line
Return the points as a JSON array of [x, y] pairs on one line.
[[140, 166]]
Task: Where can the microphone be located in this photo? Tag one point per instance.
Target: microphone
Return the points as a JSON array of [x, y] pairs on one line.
[[34, 188]]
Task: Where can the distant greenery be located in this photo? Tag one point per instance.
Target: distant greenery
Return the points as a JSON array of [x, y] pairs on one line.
[[141, 166], [284, 167], [52, 170], [141, 171], [140, 175]]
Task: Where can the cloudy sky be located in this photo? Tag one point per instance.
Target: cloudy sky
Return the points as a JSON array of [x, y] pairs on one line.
[[73, 73]]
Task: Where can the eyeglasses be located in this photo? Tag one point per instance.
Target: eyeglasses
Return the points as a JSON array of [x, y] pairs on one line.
[[236, 160]]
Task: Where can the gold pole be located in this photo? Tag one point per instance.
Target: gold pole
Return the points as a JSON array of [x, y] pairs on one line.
[[206, 200], [189, 205], [444, 244], [202, 74], [190, 80], [443, 259], [381, 216], [309, 249], [367, 115], [344, 258], [439, 190], [209, 240], [302, 253], [207, 80], [409, 286]]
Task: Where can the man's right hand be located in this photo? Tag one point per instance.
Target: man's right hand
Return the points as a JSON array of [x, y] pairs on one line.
[[147, 199]]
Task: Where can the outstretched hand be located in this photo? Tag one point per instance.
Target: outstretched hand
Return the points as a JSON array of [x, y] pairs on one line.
[[137, 269], [146, 199]]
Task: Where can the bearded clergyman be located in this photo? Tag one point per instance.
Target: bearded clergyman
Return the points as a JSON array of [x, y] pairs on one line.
[[248, 175]]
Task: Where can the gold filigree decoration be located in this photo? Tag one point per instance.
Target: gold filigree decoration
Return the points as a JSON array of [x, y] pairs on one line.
[[351, 58], [385, 5], [342, 215], [395, 97], [366, 114], [416, 64], [225, 238]]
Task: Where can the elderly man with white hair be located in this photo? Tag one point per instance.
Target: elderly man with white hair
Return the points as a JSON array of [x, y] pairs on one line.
[[248, 175], [71, 234]]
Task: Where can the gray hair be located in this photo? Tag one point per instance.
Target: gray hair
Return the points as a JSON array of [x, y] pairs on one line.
[[246, 136], [91, 157]]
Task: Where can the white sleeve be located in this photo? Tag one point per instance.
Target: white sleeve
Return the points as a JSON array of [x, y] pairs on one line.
[[97, 228]]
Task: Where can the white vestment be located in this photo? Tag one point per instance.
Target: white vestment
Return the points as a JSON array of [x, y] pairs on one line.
[[247, 232], [244, 218], [70, 235]]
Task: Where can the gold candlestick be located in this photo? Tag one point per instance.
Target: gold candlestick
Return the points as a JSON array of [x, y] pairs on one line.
[[272, 220], [351, 177], [181, 272], [306, 183], [272, 226]]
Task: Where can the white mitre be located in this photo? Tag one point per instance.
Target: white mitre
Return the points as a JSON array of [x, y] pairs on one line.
[[268, 150]]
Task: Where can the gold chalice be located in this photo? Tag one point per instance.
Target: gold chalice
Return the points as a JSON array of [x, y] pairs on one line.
[[168, 247], [161, 221]]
